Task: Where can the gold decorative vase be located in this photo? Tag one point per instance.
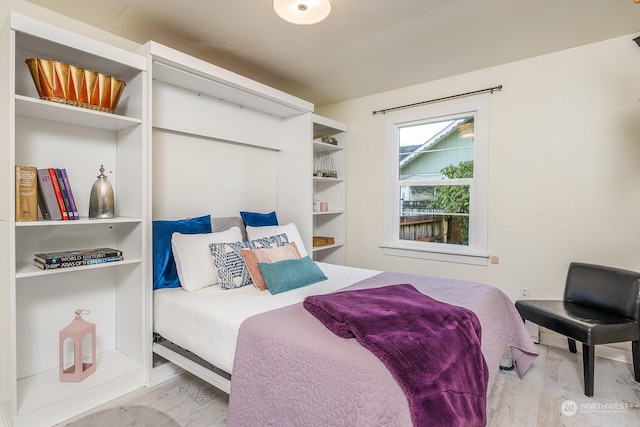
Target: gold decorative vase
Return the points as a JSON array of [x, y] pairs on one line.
[[59, 82]]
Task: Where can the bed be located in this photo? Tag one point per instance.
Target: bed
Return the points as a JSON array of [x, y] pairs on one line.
[[283, 367], [181, 317]]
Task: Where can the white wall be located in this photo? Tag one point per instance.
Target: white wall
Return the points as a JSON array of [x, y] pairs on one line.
[[564, 167]]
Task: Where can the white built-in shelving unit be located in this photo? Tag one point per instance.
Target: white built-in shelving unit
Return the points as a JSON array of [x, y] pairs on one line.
[[222, 143], [330, 190], [36, 304]]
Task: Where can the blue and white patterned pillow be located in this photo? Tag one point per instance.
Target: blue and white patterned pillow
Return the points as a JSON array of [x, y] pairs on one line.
[[269, 242], [232, 271]]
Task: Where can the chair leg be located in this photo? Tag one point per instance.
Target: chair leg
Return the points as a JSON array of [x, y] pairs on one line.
[[635, 351], [572, 345], [588, 359]]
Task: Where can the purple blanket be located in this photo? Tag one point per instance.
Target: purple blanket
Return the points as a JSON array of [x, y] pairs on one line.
[[408, 331]]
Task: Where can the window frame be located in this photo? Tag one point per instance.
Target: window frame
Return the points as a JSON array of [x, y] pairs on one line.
[[476, 252]]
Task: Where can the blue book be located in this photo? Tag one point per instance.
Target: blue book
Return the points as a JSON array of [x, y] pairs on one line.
[[72, 202], [63, 192]]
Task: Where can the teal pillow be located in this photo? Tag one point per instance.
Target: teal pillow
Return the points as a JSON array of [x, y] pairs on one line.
[[290, 274], [259, 219]]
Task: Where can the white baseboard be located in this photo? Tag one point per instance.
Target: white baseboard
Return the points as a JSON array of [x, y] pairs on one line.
[[606, 351]]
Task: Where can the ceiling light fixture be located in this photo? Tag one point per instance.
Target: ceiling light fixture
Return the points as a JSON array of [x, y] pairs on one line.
[[302, 12]]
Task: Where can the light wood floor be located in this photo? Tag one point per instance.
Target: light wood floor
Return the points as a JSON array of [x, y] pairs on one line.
[[554, 380]]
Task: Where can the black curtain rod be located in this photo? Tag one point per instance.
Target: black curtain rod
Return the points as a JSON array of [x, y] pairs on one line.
[[460, 95]]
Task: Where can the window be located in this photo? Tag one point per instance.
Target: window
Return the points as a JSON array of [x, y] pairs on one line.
[[436, 182]]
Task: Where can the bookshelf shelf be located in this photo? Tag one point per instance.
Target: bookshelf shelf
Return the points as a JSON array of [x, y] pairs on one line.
[[332, 212], [46, 110], [81, 221], [24, 270], [323, 179], [325, 247], [45, 388], [323, 146]]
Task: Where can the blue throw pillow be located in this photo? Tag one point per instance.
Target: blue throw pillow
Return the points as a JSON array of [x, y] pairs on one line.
[[165, 274], [290, 274], [257, 219]]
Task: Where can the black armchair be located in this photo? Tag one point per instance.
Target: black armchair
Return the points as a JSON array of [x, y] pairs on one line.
[[601, 305]]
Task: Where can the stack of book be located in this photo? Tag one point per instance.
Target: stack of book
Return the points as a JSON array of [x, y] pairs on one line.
[[47, 188], [76, 258], [55, 197]]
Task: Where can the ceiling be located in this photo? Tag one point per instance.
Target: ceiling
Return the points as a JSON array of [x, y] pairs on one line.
[[364, 46]]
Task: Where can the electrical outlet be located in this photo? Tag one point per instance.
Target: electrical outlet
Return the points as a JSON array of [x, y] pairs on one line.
[[524, 292]]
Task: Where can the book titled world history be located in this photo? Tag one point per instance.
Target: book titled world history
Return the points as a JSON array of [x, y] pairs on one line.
[[78, 255]]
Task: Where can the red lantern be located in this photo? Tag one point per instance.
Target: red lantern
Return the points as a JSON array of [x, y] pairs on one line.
[[77, 330]]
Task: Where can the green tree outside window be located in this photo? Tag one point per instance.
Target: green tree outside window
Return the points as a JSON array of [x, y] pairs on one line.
[[455, 199]]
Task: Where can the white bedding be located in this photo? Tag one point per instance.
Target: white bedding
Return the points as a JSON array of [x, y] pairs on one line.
[[206, 322]]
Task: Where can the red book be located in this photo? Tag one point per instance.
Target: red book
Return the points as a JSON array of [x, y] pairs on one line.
[[56, 189]]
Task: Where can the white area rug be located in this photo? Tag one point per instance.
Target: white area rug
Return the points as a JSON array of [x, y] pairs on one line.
[[122, 416]]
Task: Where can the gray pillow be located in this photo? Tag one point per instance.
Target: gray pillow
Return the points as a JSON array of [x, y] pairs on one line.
[[225, 223]]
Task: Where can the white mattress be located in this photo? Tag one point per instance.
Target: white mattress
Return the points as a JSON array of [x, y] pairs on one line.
[[206, 322]]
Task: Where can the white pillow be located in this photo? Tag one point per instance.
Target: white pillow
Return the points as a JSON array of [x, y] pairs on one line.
[[193, 258], [271, 230]]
